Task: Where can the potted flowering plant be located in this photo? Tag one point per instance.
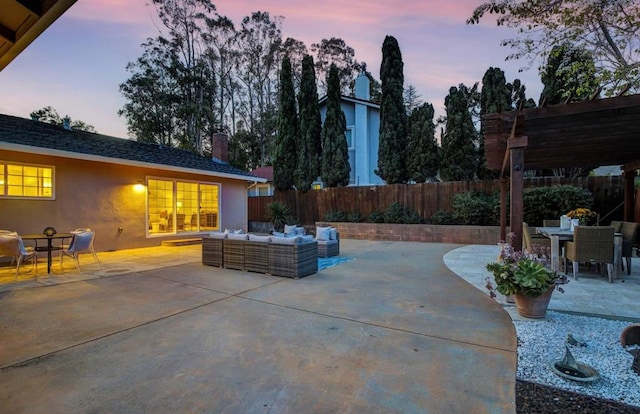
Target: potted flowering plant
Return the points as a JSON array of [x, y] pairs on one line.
[[582, 214], [526, 277]]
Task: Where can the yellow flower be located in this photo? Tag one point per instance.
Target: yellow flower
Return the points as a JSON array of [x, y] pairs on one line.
[[581, 213]]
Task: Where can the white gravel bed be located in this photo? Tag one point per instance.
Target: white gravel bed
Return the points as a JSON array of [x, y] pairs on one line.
[[542, 342]]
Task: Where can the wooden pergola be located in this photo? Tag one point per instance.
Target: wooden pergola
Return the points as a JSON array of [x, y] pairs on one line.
[[22, 21], [583, 134]]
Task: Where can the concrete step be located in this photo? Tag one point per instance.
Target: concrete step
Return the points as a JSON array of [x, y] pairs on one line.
[[181, 242]]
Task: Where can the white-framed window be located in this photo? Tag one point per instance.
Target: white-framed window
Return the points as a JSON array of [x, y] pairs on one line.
[[179, 206], [26, 181], [351, 149]]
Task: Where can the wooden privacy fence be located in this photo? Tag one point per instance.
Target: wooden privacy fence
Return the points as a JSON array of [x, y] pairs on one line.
[[426, 199]]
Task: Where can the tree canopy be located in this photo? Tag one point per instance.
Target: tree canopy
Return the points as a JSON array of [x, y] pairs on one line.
[[458, 155], [49, 115], [608, 29], [284, 146], [335, 155], [310, 128], [393, 117], [422, 149]]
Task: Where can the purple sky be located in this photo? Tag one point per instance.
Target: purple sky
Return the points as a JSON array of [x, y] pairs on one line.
[[77, 64]]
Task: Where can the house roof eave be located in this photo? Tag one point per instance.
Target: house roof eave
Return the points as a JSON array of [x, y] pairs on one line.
[[120, 161]]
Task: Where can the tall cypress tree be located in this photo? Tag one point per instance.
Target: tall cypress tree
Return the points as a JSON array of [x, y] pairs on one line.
[[284, 147], [458, 160], [422, 150], [310, 128], [495, 97], [335, 155], [393, 118]]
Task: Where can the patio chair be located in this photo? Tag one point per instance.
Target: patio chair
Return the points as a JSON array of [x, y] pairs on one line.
[[11, 245], [590, 244], [81, 242], [629, 236], [531, 239]]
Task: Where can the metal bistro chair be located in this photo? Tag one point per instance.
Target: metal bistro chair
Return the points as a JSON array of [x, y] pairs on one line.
[[591, 244], [81, 242], [629, 236], [11, 245]]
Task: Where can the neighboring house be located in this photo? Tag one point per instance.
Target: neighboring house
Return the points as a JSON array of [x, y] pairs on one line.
[[262, 189], [363, 135], [131, 193]]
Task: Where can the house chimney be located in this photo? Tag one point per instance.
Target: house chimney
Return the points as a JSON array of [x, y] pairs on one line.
[[66, 122], [220, 147], [362, 88]]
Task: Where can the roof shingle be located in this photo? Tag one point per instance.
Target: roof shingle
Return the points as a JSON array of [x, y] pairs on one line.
[[21, 131]]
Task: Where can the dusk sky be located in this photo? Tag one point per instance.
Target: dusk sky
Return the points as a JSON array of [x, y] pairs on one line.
[[78, 63]]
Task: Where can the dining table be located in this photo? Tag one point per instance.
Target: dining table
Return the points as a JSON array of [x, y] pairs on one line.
[[558, 234], [35, 237]]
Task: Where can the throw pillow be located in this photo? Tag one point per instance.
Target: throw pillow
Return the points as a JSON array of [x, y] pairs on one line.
[[333, 234], [322, 233], [232, 236], [256, 238], [284, 240], [290, 229], [299, 230]]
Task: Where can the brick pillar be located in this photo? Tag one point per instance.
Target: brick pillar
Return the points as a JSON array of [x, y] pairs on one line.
[[219, 147]]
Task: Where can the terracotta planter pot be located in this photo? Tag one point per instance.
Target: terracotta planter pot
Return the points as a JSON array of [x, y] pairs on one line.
[[534, 307]]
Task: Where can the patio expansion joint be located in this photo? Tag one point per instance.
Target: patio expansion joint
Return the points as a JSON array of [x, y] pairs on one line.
[[38, 358], [375, 325]]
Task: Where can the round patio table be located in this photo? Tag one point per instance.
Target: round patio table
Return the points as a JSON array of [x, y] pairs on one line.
[[49, 247]]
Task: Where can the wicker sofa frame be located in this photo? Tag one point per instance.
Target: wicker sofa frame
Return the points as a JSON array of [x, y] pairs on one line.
[[286, 260]]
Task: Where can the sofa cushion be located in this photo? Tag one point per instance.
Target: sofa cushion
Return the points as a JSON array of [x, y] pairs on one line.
[[284, 240], [333, 234], [327, 242], [264, 239], [322, 233], [232, 236], [307, 238], [217, 235], [290, 229]]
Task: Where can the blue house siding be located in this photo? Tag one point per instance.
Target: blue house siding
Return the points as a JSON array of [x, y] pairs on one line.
[[363, 125]]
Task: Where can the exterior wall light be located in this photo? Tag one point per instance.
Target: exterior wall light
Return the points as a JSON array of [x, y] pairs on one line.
[[138, 187]]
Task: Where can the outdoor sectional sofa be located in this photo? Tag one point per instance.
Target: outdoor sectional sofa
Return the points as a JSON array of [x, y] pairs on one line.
[[278, 256]]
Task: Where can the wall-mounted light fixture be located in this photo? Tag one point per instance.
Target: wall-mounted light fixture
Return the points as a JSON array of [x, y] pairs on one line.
[[138, 187]]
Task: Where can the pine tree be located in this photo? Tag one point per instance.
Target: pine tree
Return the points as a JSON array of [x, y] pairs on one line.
[[393, 118], [310, 128], [495, 97], [422, 151], [284, 147], [458, 160], [335, 156]]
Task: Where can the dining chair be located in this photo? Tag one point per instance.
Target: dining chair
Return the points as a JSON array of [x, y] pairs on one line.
[[590, 244], [629, 236], [533, 242], [11, 245], [81, 242]]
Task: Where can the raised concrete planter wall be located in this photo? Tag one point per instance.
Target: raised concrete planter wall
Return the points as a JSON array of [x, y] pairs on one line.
[[418, 232]]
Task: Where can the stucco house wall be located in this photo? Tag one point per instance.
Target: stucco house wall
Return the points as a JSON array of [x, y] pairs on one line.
[[106, 197]]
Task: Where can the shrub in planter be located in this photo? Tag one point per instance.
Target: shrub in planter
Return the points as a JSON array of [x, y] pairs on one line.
[[397, 213], [355, 217], [444, 217], [475, 208], [552, 202], [335, 216], [279, 214], [376, 217]]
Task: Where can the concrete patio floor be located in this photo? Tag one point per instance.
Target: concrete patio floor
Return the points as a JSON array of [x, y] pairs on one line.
[[153, 330]]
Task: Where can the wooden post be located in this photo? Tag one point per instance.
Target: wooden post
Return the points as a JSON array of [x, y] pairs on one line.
[[503, 208], [516, 147], [629, 194]]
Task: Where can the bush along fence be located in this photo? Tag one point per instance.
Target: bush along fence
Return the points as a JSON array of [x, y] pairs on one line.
[[457, 202]]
